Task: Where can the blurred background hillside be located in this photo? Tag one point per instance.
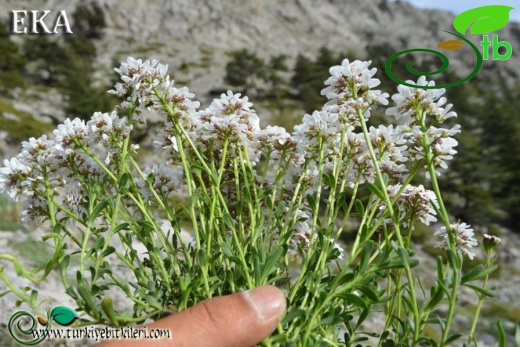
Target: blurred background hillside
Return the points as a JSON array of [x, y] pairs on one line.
[[278, 53]]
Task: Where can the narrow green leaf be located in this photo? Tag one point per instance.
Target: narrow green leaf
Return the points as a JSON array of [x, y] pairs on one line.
[[391, 265], [246, 194], [369, 293], [256, 267], [440, 273], [226, 249], [359, 207], [292, 315], [57, 228], [97, 210], [385, 335], [501, 334], [195, 197], [108, 251], [472, 274], [311, 200], [272, 259], [18, 268], [365, 255], [385, 298], [362, 317], [64, 264], [408, 303], [477, 273], [452, 259], [121, 226], [228, 221], [89, 302], [259, 230], [330, 180], [374, 189], [403, 255], [436, 295], [269, 204], [262, 252], [452, 338], [201, 257], [108, 309], [239, 207], [34, 297], [5, 293], [484, 291], [280, 210], [485, 19], [265, 194], [280, 338], [124, 182], [354, 299]]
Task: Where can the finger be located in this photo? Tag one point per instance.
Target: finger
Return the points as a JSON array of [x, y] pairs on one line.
[[238, 320]]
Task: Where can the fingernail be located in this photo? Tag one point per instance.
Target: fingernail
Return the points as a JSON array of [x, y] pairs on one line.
[[269, 302]]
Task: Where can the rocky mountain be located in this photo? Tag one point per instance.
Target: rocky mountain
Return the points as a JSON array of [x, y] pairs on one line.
[[199, 33]]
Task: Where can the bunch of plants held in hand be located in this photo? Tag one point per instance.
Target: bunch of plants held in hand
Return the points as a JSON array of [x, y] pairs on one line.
[[264, 206]]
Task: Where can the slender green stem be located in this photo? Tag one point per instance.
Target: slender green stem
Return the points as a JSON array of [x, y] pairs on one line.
[[481, 297], [389, 207], [444, 216]]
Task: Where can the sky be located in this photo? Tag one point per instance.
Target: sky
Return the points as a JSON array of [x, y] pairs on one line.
[[459, 6]]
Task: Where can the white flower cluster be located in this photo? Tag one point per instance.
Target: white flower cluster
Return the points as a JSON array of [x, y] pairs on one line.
[[229, 119], [138, 82], [414, 203], [165, 179], [412, 107], [463, 235], [61, 168], [352, 83], [410, 102], [328, 140]]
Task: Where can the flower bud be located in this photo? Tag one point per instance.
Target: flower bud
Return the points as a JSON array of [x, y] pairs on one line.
[[490, 242]]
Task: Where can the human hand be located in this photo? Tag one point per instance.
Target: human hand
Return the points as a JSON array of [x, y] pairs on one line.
[[238, 320]]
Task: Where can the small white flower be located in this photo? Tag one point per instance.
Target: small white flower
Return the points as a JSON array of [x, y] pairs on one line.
[[12, 175], [353, 79], [441, 143], [415, 202], [490, 242], [166, 179], [409, 100], [274, 140], [463, 235], [71, 131]]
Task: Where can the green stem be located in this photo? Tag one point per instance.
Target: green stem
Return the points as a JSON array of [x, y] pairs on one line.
[[481, 298], [389, 207], [443, 215]]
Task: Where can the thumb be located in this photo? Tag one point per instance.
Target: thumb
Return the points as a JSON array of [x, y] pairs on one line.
[[238, 320]]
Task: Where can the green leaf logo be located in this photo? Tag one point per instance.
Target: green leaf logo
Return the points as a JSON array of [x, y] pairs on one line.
[[485, 19], [63, 315]]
